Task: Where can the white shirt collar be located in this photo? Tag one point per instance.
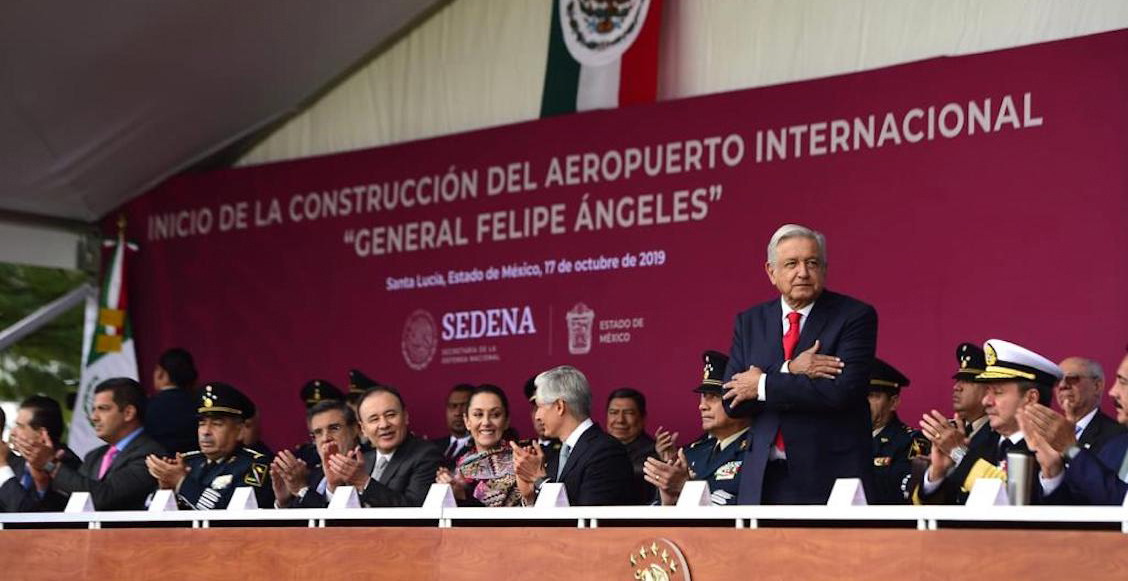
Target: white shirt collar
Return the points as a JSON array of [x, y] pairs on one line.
[[1084, 421], [576, 433], [786, 309], [978, 424], [1015, 437]]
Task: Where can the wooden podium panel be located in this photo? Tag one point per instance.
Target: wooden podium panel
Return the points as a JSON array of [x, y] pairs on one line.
[[479, 553]]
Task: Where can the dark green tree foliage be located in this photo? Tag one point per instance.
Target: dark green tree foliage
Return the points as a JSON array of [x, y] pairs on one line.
[[49, 360]]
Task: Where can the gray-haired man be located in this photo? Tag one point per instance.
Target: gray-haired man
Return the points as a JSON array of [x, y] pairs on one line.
[[593, 466]]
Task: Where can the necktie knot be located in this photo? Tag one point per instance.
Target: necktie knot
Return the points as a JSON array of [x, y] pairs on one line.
[[793, 317]]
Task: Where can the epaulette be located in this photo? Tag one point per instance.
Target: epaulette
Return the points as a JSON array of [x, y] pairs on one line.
[[699, 441], [254, 454]]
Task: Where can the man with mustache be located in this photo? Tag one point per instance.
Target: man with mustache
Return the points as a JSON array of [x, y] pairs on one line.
[[300, 483], [206, 479], [1079, 395], [626, 422], [397, 471], [1086, 476]]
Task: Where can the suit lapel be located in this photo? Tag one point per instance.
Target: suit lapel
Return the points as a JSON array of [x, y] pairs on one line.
[[583, 448], [398, 460], [820, 314], [774, 327]]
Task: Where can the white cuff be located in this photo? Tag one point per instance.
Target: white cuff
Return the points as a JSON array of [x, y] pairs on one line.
[[928, 486], [1049, 485], [760, 395], [6, 473]]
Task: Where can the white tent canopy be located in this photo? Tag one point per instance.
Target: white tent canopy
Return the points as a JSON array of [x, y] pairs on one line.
[[101, 101]]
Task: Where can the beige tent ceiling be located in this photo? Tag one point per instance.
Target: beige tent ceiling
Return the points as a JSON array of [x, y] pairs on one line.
[[101, 100]]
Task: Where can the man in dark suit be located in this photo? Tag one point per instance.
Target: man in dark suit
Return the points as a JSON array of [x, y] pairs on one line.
[[626, 422], [1086, 476], [332, 427], [1017, 378], [593, 466], [799, 366], [457, 440], [170, 417], [23, 489], [115, 475], [1079, 395], [397, 471]]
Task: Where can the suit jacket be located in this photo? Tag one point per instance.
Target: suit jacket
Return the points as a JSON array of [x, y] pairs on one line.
[[825, 422], [1094, 478], [127, 483], [405, 481], [15, 498], [598, 471], [443, 443], [170, 419], [1100, 430]]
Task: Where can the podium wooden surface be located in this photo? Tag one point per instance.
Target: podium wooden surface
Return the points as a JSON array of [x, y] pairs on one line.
[[549, 553]]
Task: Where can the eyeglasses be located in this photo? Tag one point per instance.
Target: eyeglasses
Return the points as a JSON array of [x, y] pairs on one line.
[[330, 430], [1072, 380]]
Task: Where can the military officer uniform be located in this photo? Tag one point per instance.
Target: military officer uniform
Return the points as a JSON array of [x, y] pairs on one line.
[[895, 444], [210, 484], [717, 462], [1005, 362]]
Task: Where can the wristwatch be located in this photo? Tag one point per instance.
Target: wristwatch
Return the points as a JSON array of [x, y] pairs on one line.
[[538, 483], [1071, 452], [50, 466]]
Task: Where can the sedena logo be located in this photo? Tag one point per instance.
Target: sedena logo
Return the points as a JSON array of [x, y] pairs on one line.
[[420, 340], [499, 322]]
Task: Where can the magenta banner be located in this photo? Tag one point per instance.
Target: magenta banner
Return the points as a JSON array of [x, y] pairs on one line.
[[965, 198]]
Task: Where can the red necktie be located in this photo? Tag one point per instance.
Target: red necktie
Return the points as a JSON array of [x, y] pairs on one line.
[[790, 340]]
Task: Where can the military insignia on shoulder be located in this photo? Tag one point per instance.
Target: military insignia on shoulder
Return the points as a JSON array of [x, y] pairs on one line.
[[221, 482], [728, 470], [882, 461], [256, 476]]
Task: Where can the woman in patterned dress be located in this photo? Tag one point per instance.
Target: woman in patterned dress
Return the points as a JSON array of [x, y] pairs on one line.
[[484, 474]]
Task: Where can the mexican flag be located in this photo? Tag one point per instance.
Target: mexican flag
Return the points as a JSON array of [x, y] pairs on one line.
[[107, 345], [602, 54]]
